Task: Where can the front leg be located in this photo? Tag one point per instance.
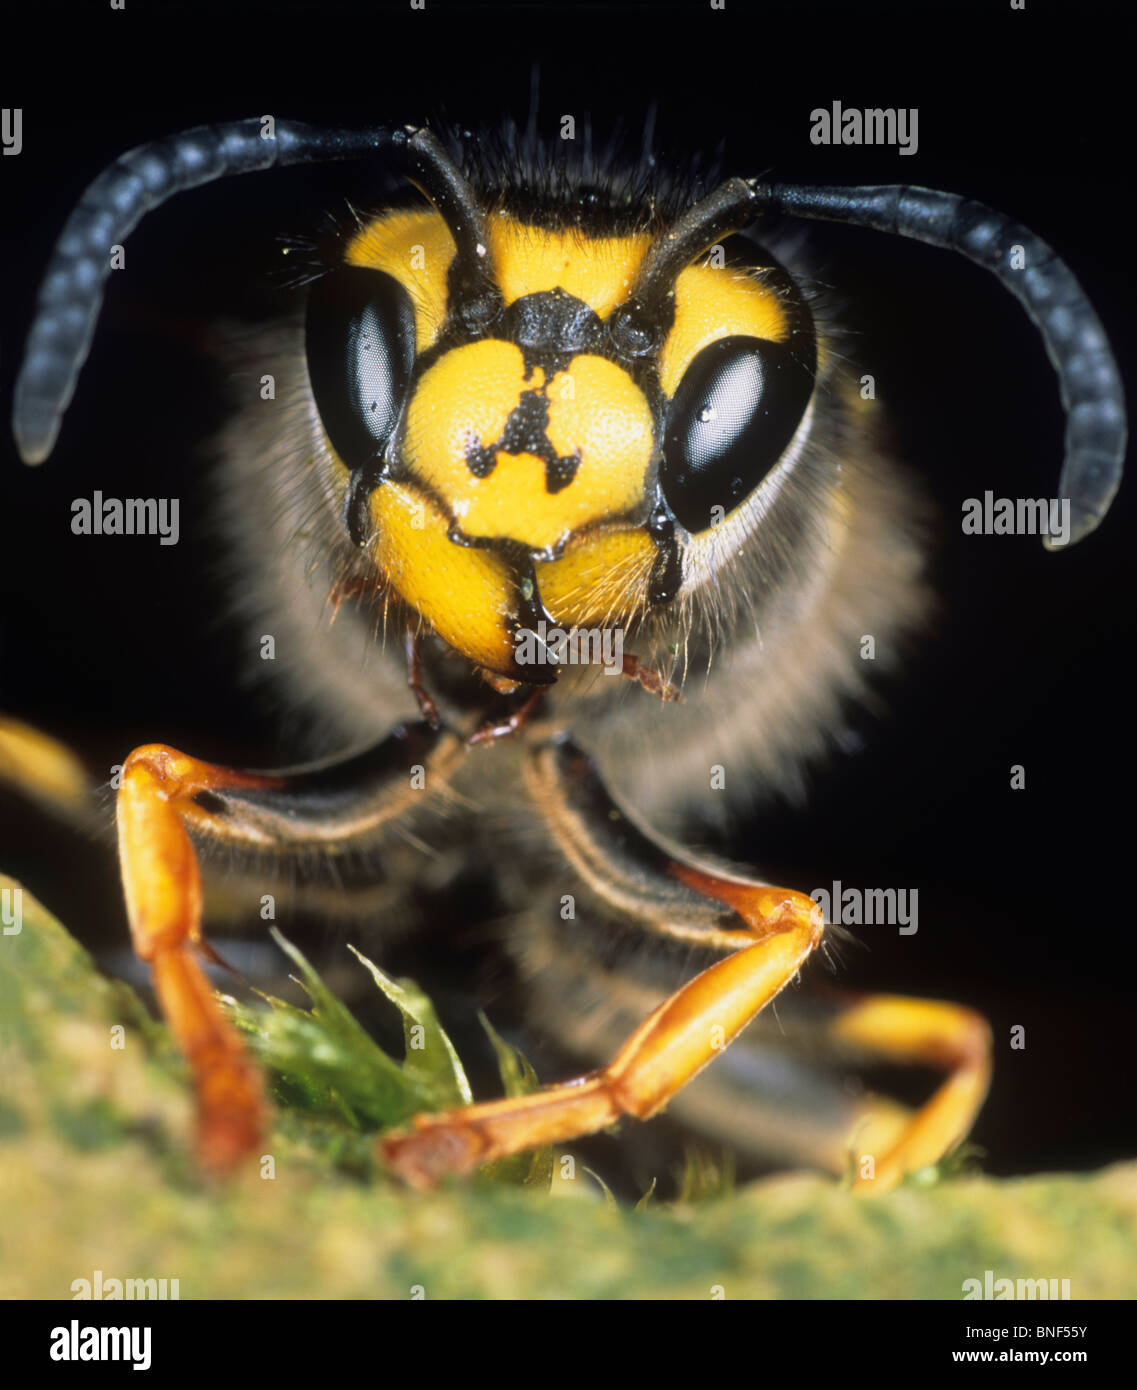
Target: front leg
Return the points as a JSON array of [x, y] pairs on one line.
[[165, 795], [769, 932]]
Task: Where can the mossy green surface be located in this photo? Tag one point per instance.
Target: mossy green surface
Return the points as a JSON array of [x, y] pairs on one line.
[[96, 1173]]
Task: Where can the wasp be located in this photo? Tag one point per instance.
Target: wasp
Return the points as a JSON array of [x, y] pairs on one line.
[[566, 503]]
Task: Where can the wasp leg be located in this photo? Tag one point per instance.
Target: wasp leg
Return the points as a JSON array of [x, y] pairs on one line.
[[651, 681], [426, 706], [163, 797], [789, 1092], [42, 769], [512, 723], [889, 1143], [769, 931]]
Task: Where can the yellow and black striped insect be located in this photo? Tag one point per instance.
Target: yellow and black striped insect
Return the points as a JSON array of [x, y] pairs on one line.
[[566, 501]]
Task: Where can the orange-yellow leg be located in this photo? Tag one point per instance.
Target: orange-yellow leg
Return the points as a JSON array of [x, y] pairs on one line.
[[632, 877], [40, 767], [888, 1143], [163, 795], [162, 883], [685, 1033]]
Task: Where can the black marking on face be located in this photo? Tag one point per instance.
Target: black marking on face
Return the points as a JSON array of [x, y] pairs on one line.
[[526, 432], [551, 327]]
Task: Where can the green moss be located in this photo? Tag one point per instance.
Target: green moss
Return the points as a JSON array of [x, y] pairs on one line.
[[96, 1173]]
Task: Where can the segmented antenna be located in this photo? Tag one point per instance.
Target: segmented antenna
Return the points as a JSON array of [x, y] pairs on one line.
[[1088, 379], [143, 179], [72, 290]]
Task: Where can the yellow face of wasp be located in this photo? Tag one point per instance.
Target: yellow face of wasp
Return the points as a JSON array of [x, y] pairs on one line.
[[500, 455]]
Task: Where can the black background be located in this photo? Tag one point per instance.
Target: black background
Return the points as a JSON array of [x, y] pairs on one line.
[[1024, 896]]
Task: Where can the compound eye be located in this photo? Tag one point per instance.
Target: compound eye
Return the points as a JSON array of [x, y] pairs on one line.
[[360, 341], [736, 409]]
